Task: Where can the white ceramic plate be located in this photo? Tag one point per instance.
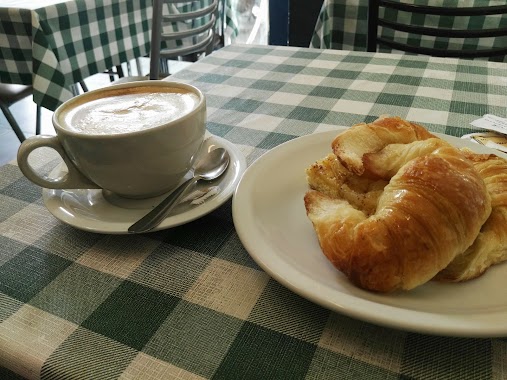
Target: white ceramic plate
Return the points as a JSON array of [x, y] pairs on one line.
[[91, 210], [270, 219]]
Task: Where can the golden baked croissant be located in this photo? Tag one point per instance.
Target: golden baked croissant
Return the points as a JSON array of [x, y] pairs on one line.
[[330, 177], [490, 246], [413, 228], [351, 145], [419, 227]]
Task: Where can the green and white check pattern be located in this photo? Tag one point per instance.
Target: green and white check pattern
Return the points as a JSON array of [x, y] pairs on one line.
[[189, 302], [342, 24], [62, 43]]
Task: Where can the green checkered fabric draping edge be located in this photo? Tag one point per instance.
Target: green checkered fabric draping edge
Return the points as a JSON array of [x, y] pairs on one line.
[[17, 29], [114, 32], [189, 302], [230, 22], [343, 25]]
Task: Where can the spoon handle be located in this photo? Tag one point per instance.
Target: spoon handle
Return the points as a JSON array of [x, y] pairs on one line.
[[159, 213]]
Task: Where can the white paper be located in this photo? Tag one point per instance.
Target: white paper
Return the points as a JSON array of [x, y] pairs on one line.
[[491, 123]]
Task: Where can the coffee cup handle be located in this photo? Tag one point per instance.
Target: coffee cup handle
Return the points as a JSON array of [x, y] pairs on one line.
[[71, 180]]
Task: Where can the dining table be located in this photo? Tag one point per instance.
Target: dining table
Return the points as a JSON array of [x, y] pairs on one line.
[[343, 24], [55, 44], [233, 293]]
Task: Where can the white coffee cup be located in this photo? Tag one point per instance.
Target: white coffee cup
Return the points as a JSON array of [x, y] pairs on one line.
[[107, 143]]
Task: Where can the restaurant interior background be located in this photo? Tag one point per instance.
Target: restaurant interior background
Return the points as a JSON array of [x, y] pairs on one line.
[[261, 22]]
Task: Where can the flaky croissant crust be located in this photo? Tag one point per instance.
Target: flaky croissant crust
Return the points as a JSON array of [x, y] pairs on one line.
[[419, 224], [490, 246]]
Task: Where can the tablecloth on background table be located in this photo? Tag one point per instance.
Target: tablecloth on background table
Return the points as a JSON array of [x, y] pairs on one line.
[[189, 302], [342, 24], [53, 44]]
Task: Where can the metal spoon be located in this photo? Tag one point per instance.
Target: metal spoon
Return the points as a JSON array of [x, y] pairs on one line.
[[210, 167]]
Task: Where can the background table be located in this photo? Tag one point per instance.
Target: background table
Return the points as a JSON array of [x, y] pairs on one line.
[[189, 302], [53, 44], [342, 24]]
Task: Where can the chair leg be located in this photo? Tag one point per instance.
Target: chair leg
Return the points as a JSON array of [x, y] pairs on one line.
[[119, 71], [138, 66], [111, 74], [372, 30], [83, 86], [129, 69], [163, 67], [38, 120], [12, 122], [74, 89]]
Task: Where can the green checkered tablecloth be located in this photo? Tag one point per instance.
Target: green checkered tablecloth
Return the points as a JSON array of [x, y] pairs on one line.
[[53, 44], [342, 24], [189, 302]]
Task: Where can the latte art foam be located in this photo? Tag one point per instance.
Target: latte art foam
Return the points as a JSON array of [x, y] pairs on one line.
[[129, 112]]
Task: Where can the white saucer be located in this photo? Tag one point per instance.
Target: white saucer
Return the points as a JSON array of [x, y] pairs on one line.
[[90, 210]]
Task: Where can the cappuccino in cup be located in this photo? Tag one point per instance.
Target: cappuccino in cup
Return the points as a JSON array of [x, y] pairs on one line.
[[136, 140], [129, 110]]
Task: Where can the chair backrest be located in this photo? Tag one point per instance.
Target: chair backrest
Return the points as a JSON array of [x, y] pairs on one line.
[[179, 28], [448, 41]]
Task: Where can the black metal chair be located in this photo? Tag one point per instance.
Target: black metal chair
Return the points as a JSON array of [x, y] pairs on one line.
[[377, 19], [180, 29], [10, 94]]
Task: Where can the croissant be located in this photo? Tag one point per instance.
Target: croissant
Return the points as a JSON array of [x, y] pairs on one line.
[[351, 145], [414, 223], [490, 246], [330, 177]]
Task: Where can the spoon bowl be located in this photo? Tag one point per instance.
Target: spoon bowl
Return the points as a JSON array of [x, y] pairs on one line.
[[208, 168], [212, 165]]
